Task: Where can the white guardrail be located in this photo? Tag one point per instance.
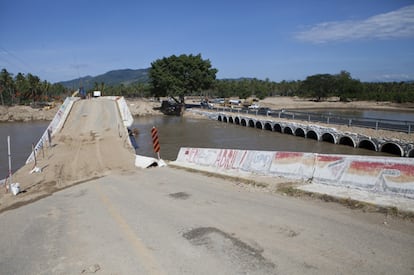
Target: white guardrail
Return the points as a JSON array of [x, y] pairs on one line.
[[54, 125]]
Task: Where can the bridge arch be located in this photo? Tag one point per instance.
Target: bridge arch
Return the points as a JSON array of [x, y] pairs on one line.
[[299, 132], [219, 118], [268, 126], [345, 140], [288, 130], [312, 135], [237, 120], [251, 123], [231, 119], [392, 148], [410, 153], [243, 122], [224, 119], [367, 144], [259, 124], [328, 137], [277, 128]]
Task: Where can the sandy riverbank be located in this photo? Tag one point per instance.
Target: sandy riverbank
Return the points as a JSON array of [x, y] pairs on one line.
[[138, 107], [299, 103], [144, 107]]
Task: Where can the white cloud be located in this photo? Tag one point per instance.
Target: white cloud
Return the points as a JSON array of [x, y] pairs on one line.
[[395, 24], [395, 77]]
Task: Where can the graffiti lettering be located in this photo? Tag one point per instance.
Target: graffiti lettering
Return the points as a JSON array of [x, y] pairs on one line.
[[225, 159]]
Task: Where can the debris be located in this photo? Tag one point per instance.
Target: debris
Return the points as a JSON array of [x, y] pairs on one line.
[[36, 170], [15, 188], [92, 269]]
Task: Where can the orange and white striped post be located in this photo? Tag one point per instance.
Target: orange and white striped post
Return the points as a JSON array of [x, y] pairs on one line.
[[155, 141]]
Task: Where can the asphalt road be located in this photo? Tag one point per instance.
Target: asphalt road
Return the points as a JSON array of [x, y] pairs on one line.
[[170, 221]]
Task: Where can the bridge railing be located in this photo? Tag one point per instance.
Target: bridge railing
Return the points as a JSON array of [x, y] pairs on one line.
[[372, 123]]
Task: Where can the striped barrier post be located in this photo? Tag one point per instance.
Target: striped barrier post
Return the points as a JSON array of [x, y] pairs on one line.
[[155, 141]]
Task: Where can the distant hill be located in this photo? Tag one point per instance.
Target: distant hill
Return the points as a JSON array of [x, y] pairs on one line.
[[111, 78]]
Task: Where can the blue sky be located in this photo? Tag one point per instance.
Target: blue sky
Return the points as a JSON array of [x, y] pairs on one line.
[[278, 40]]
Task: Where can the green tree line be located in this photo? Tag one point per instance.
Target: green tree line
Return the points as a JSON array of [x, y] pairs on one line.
[[25, 89]]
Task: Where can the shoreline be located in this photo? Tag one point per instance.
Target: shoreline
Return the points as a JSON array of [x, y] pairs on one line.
[[145, 107], [300, 104]]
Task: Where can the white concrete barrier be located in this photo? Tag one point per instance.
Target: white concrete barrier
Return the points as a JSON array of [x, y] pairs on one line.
[[54, 126], [390, 175], [387, 175], [294, 165], [146, 162], [124, 111]]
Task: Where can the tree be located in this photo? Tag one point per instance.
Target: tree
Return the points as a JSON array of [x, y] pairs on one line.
[[6, 85], [347, 87], [34, 87], [319, 85], [181, 75]]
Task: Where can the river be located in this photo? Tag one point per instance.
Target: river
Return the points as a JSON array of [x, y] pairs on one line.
[[177, 132], [174, 133]]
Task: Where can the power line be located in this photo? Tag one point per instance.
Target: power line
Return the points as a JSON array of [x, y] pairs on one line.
[[20, 60]]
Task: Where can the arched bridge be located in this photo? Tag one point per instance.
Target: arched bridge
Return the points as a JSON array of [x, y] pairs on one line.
[[319, 133]]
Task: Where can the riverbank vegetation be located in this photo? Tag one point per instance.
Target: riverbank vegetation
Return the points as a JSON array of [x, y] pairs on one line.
[[30, 89]]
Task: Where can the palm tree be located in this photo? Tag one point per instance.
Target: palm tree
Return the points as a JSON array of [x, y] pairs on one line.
[[34, 82], [6, 84]]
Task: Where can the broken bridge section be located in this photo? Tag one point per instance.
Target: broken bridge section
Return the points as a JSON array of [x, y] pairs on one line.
[[89, 139]]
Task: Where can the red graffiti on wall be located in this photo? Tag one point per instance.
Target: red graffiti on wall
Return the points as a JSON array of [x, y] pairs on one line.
[[226, 158], [325, 158], [376, 167]]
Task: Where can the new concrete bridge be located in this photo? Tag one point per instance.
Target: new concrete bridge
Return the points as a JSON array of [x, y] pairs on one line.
[[320, 133]]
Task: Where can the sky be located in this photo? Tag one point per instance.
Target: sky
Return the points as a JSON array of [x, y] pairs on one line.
[[60, 40]]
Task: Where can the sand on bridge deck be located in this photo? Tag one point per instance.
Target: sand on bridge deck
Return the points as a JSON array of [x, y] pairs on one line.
[[92, 143]]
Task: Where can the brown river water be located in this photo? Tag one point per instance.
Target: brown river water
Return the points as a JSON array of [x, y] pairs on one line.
[[174, 133]]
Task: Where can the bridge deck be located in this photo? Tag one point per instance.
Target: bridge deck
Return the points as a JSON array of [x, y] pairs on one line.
[[92, 143]]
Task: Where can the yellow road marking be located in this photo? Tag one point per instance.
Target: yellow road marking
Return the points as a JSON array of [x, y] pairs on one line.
[[147, 258]]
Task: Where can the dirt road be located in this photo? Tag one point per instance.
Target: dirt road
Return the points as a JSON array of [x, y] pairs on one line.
[[169, 221]]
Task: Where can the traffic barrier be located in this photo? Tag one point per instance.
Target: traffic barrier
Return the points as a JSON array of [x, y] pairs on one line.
[[54, 126], [294, 165], [123, 110], [127, 118], [146, 162], [155, 140], [389, 175], [386, 175]]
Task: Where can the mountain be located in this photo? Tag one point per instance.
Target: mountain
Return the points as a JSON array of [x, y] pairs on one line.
[[111, 78]]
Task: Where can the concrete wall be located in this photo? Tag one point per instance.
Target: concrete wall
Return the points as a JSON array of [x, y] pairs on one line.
[[123, 110], [387, 175], [54, 126]]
